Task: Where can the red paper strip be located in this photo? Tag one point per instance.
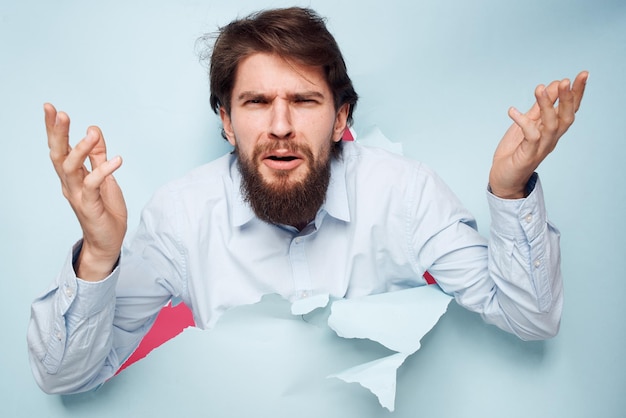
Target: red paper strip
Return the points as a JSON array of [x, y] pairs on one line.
[[170, 322], [429, 278], [347, 135]]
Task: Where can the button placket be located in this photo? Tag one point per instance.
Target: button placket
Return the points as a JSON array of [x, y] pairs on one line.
[[300, 268]]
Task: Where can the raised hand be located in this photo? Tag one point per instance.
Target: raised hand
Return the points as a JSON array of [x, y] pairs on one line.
[[534, 134], [94, 195]]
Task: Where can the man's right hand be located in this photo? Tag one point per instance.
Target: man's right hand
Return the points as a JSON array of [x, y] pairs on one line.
[[95, 196]]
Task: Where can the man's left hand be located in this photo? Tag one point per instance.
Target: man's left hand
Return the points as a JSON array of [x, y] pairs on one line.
[[533, 135]]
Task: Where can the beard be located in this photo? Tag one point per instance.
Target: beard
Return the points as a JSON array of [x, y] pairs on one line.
[[285, 201]]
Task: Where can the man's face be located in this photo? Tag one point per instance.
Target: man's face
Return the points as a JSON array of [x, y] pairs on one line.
[[282, 123]]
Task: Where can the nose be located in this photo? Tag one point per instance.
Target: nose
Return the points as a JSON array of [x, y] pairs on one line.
[[280, 126]]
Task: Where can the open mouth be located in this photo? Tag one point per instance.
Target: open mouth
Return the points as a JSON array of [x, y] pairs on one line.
[[277, 158], [282, 161]]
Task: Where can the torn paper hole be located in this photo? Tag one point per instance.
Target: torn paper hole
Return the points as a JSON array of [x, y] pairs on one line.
[[397, 320]]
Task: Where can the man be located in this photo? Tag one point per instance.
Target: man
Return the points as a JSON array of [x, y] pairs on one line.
[[292, 211]]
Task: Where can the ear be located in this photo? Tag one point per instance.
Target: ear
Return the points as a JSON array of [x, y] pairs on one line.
[[341, 122], [227, 126]]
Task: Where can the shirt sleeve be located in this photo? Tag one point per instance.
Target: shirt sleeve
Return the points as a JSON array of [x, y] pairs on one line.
[[69, 335], [513, 280], [81, 332], [525, 265]]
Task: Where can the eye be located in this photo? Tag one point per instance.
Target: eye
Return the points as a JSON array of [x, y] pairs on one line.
[[305, 100], [255, 101]]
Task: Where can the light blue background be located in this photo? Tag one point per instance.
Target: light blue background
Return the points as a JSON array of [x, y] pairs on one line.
[[437, 76]]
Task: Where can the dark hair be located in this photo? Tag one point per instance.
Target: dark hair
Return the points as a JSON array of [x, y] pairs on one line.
[[295, 33]]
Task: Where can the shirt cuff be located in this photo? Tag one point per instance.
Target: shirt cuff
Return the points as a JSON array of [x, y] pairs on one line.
[[520, 218], [80, 297]]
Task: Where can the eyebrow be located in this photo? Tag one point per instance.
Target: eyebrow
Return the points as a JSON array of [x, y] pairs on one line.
[[247, 95]]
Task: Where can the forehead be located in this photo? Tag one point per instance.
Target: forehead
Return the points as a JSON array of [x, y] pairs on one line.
[[271, 73]]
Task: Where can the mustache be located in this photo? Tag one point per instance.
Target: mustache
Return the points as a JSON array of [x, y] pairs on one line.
[[282, 144]]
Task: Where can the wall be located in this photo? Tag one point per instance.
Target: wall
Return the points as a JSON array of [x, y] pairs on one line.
[[437, 76]]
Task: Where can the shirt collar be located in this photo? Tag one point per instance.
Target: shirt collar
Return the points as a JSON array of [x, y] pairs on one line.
[[336, 203], [242, 213]]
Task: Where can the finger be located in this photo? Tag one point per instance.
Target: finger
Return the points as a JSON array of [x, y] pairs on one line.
[[73, 166], [50, 114], [98, 153], [565, 109], [549, 119], [57, 129], [552, 89], [578, 88], [534, 113], [94, 181], [526, 124]]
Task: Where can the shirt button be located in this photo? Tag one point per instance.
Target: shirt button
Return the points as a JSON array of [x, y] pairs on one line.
[[528, 218], [68, 292], [537, 263], [298, 240], [59, 336]]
